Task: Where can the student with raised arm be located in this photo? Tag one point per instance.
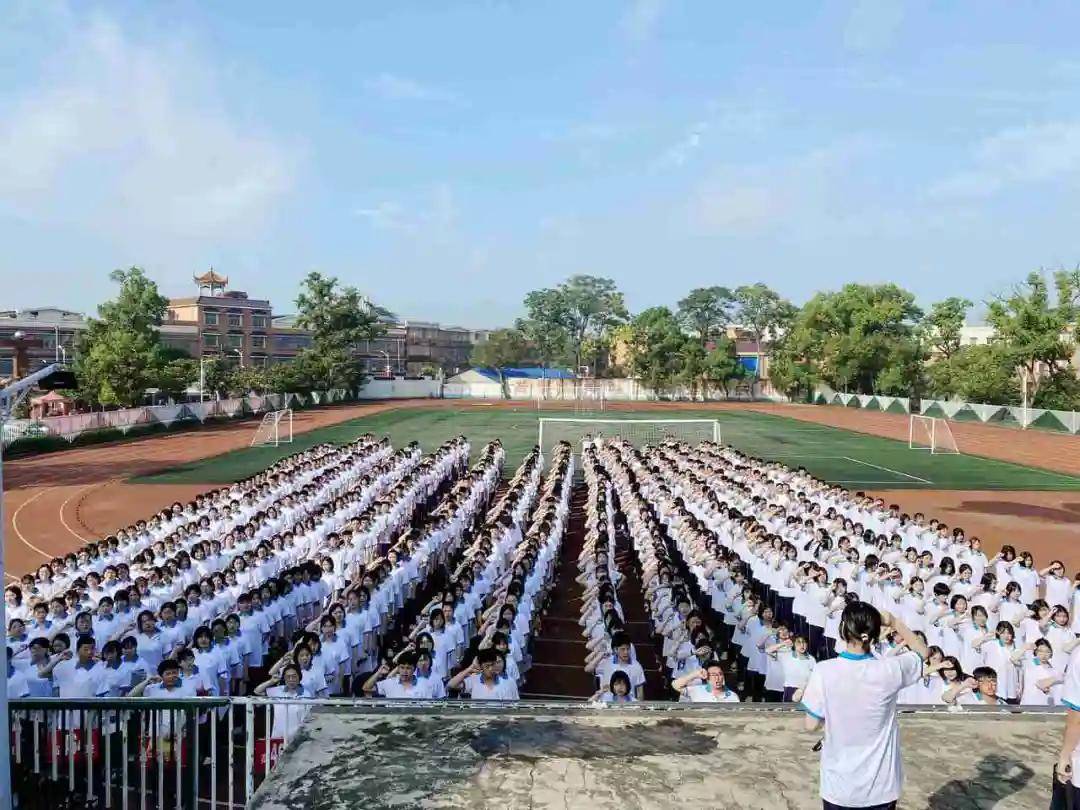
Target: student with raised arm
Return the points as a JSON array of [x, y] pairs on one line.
[[853, 697]]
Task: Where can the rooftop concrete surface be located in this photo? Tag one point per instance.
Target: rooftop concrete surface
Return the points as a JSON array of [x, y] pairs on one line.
[[645, 757]]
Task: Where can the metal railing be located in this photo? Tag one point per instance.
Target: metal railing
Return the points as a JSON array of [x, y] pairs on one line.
[[214, 753]]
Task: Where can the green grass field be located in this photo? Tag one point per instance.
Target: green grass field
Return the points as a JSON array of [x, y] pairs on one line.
[[851, 459]]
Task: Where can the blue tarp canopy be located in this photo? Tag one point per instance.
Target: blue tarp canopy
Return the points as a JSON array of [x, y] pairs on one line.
[[527, 373]]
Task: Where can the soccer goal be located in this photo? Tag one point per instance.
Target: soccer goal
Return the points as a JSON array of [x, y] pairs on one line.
[[590, 396], [931, 433], [636, 431], [275, 429]]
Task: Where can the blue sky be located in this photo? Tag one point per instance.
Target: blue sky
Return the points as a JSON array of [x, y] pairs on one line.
[[447, 157]]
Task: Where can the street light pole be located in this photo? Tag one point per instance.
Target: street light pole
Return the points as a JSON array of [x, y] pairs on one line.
[[202, 378], [389, 374]]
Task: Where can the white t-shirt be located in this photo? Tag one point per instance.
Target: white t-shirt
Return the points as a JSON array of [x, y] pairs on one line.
[[503, 689], [855, 695], [609, 666], [703, 693], [1070, 696]]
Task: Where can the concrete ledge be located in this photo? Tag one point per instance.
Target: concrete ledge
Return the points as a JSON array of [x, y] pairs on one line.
[[541, 757]]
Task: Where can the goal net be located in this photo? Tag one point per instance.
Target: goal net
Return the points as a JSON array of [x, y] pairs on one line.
[[275, 429], [931, 433], [589, 396], [636, 431]]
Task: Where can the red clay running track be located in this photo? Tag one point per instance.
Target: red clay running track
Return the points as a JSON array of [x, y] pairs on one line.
[[56, 502]]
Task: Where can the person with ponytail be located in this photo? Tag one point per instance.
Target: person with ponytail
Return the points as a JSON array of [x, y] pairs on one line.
[[853, 697]]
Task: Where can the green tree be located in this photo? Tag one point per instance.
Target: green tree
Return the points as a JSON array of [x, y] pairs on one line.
[[338, 316], [941, 326], [706, 370], [983, 373], [706, 312], [317, 369], [658, 349], [215, 377], [176, 376], [764, 314], [248, 379], [1034, 329], [574, 319], [120, 355], [547, 326], [856, 338], [504, 347]]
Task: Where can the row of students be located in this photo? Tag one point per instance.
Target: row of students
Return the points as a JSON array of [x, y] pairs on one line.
[[230, 659], [762, 578], [514, 560], [688, 644]]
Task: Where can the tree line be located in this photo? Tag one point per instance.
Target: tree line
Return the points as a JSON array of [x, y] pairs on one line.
[[583, 324], [121, 356], [862, 338]]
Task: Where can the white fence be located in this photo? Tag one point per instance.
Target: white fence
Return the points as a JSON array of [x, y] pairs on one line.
[[623, 389], [125, 419], [957, 411]]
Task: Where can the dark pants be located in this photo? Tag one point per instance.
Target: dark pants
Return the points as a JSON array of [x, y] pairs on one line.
[[887, 806]]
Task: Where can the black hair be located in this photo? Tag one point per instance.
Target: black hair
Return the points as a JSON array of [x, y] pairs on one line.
[[619, 675], [860, 624]]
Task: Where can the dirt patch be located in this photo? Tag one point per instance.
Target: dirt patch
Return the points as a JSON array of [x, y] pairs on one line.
[[1044, 523]]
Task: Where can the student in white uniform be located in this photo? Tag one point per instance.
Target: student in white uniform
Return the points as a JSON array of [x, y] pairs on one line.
[[288, 718], [705, 686], [1067, 769], [480, 680], [853, 697]]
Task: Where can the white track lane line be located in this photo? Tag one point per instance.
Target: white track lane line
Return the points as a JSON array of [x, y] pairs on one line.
[[887, 469], [19, 534]]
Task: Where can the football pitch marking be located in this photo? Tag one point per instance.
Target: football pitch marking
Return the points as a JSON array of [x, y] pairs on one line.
[[888, 470]]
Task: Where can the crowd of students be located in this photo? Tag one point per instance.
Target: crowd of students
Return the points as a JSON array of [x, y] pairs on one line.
[[748, 565], [340, 571], [360, 570]]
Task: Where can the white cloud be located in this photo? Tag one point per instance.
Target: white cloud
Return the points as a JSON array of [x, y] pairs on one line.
[[400, 88], [720, 122], [129, 137], [801, 195], [640, 20], [1016, 156], [872, 25], [741, 208], [384, 216], [434, 212], [684, 148]]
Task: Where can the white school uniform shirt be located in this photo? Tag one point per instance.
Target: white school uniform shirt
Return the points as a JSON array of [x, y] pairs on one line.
[[855, 695], [797, 670], [703, 693], [1070, 697], [290, 716], [17, 684], [1033, 672], [609, 666], [504, 689]]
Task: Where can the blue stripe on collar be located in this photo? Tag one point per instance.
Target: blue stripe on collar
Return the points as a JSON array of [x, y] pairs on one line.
[[854, 657]]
